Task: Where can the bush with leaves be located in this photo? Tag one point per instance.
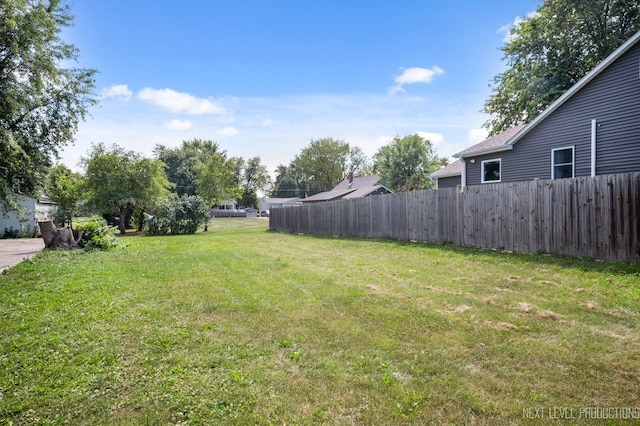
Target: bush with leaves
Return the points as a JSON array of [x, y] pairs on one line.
[[96, 234], [178, 215], [23, 232]]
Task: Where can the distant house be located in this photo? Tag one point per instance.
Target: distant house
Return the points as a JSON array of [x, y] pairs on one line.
[[351, 187], [228, 205], [25, 222], [228, 208], [449, 176], [267, 204], [592, 129]]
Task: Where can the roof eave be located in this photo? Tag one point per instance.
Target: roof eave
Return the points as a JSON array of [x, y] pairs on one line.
[[372, 190], [445, 175], [484, 151]]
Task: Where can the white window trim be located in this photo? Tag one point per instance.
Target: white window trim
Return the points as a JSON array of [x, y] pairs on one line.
[[573, 163], [499, 160]]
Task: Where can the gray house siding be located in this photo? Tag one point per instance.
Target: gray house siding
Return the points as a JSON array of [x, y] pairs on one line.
[[449, 182], [612, 98]]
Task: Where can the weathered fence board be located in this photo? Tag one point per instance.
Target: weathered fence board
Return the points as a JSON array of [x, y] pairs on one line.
[[596, 217]]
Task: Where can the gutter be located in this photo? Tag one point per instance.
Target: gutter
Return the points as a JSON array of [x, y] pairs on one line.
[[444, 175], [490, 150]]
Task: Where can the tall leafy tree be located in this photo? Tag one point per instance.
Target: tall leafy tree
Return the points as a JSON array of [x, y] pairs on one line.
[[551, 50], [183, 162], [324, 163], [66, 188], [358, 163], [42, 101], [216, 179], [405, 163], [118, 181], [285, 185], [319, 167], [255, 178]]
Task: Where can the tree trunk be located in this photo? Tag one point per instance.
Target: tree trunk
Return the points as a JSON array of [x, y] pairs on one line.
[[58, 237], [122, 222], [127, 217]]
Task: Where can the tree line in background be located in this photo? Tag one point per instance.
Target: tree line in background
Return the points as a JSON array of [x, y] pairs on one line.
[[403, 164], [186, 181], [183, 182], [42, 103]]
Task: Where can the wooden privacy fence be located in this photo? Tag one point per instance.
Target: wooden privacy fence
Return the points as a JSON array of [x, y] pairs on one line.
[[596, 217]]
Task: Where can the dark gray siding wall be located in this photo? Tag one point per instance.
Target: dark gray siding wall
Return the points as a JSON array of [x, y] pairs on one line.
[[613, 99], [449, 182]]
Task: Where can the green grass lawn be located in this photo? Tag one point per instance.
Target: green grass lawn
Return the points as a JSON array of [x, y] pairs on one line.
[[240, 325]]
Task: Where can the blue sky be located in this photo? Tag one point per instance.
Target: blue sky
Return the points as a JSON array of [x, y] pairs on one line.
[[264, 78]]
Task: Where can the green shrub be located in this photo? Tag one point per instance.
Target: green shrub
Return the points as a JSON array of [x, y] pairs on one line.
[[96, 234], [23, 232], [178, 215], [10, 233]]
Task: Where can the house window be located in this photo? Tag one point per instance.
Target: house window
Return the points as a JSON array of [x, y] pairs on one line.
[[491, 171], [562, 162]]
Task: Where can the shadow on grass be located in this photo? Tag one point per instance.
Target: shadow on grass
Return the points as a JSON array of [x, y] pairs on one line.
[[497, 255]]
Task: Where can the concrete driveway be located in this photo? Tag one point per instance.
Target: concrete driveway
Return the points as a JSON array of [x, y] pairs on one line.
[[14, 251]]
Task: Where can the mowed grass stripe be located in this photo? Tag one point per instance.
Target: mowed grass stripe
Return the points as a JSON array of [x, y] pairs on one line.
[[240, 325]]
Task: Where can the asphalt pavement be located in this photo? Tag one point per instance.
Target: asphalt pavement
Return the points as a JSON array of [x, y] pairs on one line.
[[13, 251]]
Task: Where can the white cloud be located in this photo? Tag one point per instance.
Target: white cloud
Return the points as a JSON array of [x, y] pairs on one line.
[[436, 139], [418, 75], [120, 91], [178, 102], [266, 122], [414, 75], [506, 29], [477, 135], [178, 125], [228, 131], [395, 90], [383, 140], [368, 121]]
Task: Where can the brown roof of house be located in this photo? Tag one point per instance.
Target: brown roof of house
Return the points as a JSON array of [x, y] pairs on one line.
[[290, 200], [360, 187], [327, 195], [498, 140], [451, 169], [359, 182]]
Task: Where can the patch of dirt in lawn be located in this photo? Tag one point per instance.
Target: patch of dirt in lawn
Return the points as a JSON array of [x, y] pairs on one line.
[[609, 333], [457, 309], [443, 290], [493, 299], [388, 292], [516, 278], [525, 307], [551, 315], [553, 283], [513, 278], [500, 325]]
